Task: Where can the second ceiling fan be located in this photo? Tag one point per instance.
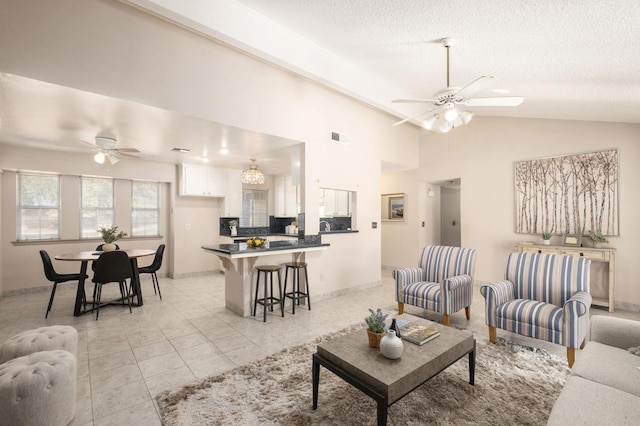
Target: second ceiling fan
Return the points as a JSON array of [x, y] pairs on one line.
[[445, 114]]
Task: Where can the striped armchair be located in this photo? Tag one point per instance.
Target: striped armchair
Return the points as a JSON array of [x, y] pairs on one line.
[[442, 282], [545, 296]]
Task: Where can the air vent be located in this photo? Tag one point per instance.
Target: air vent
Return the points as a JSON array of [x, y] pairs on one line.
[[183, 150], [342, 138]]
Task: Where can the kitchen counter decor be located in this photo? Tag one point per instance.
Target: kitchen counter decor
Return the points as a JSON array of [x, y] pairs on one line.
[[256, 242]]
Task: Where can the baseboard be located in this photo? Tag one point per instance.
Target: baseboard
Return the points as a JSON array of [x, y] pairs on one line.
[[195, 274], [30, 290], [343, 291]]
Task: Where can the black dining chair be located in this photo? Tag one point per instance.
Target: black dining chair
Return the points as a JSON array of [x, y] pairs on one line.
[[112, 267], [153, 268], [57, 278]]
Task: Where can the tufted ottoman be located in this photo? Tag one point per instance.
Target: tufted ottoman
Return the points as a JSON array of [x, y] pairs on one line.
[[41, 339], [38, 389]]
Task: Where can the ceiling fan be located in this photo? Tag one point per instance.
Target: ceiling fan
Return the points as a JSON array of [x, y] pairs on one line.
[[106, 147], [445, 114]]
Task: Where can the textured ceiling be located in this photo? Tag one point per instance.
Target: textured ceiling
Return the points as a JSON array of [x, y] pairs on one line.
[[569, 59]]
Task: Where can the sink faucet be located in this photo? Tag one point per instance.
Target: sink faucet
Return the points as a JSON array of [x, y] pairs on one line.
[[327, 227]]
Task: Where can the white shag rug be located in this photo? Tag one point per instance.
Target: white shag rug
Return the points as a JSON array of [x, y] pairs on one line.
[[514, 385]]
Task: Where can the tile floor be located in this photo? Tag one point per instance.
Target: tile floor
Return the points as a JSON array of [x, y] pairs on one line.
[[125, 360]]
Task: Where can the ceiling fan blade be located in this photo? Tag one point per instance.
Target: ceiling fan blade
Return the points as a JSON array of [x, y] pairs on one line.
[[126, 150], [476, 86], [498, 101], [413, 101], [411, 118]]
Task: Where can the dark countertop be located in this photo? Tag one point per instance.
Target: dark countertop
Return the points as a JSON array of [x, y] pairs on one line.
[[238, 249], [339, 231]]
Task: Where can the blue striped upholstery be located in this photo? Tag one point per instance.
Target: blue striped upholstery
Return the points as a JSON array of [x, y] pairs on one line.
[[544, 296], [442, 282]]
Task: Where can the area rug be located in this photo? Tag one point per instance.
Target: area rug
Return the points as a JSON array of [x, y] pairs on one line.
[[514, 385]]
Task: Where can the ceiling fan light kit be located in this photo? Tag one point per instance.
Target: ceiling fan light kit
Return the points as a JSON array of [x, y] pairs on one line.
[[447, 115], [106, 147]]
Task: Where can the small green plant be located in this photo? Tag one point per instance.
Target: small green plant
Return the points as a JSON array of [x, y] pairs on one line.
[[375, 320], [597, 238], [111, 234], [233, 223], [546, 235]]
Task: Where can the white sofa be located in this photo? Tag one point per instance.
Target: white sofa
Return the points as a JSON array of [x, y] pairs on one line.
[[604, 385]]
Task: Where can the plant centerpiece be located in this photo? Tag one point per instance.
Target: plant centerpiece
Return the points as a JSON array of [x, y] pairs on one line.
[[110, 235], [375, 326], [546, 238], [597, 238], [256, 242]]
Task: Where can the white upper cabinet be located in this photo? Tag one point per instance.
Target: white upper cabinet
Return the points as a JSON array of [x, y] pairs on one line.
[[334, 202], [285, 197], [233, 195], [203, 181]]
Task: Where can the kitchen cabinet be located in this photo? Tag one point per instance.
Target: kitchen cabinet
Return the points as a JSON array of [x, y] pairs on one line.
[[285, 197], [336, 203], [232, 203], [202, 181]]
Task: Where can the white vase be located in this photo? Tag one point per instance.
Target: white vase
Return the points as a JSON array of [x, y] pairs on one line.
[[391, 345], [234, 231], [546, 242], [108, 247]]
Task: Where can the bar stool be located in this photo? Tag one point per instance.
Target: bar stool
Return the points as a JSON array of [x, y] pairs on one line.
[[267, 299], [296, 294]]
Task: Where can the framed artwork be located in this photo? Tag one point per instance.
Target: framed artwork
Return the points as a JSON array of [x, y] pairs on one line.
[[393, 207], [568, 195], [572, 240]]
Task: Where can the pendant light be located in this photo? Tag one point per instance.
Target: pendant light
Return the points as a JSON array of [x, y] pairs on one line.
[[252, 176]]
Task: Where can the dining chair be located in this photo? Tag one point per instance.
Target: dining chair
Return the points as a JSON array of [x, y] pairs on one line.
[[57, 278], [153, 268], [112, 266]]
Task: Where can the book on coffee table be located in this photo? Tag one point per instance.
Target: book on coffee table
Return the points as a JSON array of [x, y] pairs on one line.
[[418, 334]]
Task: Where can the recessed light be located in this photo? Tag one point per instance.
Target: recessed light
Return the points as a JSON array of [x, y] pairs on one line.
[[224, 151]]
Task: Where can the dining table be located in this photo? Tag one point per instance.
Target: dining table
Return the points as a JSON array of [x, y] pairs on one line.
[[91, 256]]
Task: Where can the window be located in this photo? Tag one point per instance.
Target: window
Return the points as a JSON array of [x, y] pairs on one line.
[[38, 207], [254, 208], [97, 206], [145, 209]]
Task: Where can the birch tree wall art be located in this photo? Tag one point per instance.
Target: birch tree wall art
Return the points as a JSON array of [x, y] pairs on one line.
[[571, 194]]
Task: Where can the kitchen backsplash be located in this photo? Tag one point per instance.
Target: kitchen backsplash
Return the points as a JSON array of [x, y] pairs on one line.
[[276, 226], [338, 223]]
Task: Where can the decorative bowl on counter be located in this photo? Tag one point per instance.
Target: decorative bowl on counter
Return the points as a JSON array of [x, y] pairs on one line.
[[256, 242]]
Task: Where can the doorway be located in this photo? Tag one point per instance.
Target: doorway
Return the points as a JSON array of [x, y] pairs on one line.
[[450, 226]]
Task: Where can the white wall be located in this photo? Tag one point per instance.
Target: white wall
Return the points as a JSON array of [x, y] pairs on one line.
[[482, 154], [153, 62], [450, 217]]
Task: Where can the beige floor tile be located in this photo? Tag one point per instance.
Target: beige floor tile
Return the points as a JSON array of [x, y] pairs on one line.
[[160, 364], [199, 352], [119, 398], [115, 377], [189, 340], [153, 350], [111, 361], [211, 366], [169, 380], [142, 414]]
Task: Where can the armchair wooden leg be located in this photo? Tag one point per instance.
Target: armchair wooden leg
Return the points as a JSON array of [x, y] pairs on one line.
[[492, 334], [445, 319], [584, 342], [571, 356], [400, 308], [467, 312]]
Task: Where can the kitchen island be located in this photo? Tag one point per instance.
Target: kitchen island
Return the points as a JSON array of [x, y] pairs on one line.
[[239, 262]]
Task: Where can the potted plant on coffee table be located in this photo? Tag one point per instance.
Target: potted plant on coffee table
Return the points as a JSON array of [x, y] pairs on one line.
[[375, 327], [110, 235]]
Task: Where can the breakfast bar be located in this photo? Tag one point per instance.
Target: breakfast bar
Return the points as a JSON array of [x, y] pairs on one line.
[[239, 261]]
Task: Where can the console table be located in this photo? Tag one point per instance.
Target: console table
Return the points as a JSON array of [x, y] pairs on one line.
[[606, 255]]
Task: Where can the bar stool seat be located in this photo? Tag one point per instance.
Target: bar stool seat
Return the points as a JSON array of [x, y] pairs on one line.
[[296, 294], [268, 299]]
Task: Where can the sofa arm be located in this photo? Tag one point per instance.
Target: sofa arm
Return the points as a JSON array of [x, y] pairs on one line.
[[404, 277], [578, 304], [452, 283], [496, 294], [618, 332]]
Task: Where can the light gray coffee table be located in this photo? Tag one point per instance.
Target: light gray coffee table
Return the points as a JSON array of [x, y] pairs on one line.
[[386, 380]]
